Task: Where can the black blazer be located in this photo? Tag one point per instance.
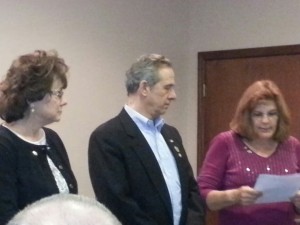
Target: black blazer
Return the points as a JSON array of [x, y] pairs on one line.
[[25, 175], [126, 176]]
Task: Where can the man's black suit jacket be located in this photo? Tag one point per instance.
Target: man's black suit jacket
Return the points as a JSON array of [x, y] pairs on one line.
[[126, 176]]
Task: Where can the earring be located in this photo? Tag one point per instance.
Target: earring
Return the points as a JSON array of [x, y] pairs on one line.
[[32, 108]]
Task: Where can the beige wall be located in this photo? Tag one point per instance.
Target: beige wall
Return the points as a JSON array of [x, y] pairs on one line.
[[232, 24], [99, 39]]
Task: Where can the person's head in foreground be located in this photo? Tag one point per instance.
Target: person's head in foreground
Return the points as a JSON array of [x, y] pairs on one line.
[[65, 209]]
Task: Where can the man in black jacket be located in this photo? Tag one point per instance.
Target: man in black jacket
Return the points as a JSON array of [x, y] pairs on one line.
[[137, 163]]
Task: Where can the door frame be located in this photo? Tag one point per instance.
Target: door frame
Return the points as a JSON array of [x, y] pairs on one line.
[[204, 57]]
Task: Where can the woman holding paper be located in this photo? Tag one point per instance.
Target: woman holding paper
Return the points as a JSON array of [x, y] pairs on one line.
[[257, 143]]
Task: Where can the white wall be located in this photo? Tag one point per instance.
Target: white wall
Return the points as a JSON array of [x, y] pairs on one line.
[[232, 24], [99, 39]]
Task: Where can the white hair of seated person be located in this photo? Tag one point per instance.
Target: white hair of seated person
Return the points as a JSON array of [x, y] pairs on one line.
[[65, 209]]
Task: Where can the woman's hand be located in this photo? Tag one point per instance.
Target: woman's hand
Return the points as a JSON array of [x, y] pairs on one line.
[[244, 195], [248, 195], [296, 201]]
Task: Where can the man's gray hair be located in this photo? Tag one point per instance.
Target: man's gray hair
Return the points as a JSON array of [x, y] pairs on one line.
[[65, 209], [145, 68]]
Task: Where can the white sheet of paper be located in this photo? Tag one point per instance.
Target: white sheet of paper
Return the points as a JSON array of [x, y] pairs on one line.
[[277, 188]]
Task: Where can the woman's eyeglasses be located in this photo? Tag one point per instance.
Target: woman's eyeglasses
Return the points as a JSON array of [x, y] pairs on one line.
[[57, 93]]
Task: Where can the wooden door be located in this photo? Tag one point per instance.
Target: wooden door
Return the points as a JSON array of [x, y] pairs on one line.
[[224, 75]]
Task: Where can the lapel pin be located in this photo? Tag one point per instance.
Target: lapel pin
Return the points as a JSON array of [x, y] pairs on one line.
[[34, 153]]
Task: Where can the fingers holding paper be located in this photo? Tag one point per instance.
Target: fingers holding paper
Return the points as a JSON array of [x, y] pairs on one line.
[[296, 201], [248, 195]]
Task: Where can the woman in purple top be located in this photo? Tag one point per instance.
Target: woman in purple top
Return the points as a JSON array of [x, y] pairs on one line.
[[258, 143]]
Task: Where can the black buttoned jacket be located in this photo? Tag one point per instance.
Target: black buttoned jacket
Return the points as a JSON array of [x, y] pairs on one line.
[[25, 175], [126, 176]]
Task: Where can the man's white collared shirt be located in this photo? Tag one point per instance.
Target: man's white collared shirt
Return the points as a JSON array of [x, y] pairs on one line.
[[151, 131]]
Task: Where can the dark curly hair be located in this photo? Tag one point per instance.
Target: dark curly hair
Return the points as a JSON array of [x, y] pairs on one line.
[[29, 79]]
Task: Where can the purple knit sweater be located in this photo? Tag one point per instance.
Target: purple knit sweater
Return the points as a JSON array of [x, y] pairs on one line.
[[230, 164]]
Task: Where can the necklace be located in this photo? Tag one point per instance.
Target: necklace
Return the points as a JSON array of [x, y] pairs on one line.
[[264, 150]]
